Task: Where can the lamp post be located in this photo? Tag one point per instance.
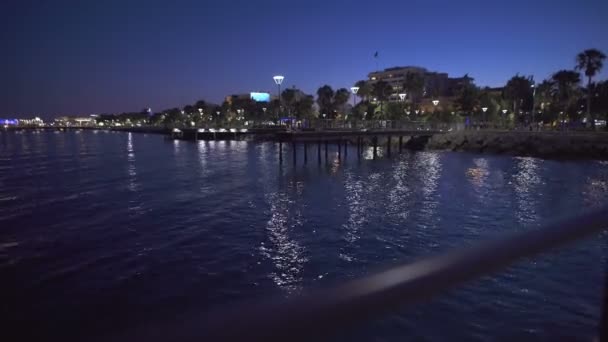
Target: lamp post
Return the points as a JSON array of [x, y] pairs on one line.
[[533, 86], [355, 90], [402, 97], [278, 79], [435, 103], [484, 110]]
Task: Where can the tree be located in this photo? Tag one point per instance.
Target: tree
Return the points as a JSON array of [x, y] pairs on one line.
[[363, 107], [394, 111], [381, 91], [543, 99], [565, 88], [325, 96], [591, 62], [414, 86], [467, 98], [288, 96], [304, 108], [519, 91], [340, 100], [365, 89], [600, 97]]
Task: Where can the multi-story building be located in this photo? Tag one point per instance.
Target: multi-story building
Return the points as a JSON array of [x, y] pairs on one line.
[[437, 84]]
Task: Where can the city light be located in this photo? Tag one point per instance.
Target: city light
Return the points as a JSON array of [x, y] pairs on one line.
[[402, 96], [435, 103]]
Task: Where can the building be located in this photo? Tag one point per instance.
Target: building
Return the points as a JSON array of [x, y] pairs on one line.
[[75, 121], [436, 84], [256, 96]]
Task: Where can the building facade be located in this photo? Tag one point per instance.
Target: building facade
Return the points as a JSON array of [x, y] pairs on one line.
[[436, 84]]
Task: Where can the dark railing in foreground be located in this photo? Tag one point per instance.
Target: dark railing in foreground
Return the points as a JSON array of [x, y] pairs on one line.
[[322, 313]]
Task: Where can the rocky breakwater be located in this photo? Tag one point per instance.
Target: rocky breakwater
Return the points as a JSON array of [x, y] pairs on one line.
[[554, 145]]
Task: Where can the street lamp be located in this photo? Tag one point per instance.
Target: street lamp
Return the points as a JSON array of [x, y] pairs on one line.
[[533, 86], [278, 79], [402, 97], [435, 103], [355, 90], [484, 109]]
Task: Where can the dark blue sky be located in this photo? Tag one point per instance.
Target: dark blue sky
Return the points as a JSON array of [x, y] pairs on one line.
[[72, 57]]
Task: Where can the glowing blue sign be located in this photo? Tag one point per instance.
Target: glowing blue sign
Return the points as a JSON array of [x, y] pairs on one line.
[[260, 97], [9, 122]]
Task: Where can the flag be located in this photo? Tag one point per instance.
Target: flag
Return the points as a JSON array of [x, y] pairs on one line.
[[376, 54]]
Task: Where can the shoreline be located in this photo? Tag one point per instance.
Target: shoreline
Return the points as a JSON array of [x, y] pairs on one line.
[[546, 145]]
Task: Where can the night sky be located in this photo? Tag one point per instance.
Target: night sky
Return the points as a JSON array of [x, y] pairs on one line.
[[83, 57]]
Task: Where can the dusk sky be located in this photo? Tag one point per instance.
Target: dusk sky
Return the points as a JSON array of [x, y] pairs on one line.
[[83, 57]]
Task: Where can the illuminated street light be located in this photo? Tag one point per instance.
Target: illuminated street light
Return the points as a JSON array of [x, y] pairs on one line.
[[278, 79], [402, 96], [355, 90], [484, 109], [533, 86], [504, 111], [435, 103]]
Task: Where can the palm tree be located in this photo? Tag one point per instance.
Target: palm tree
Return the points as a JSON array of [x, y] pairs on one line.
[[565, 88], [591, 61], [414, 85], [365, 89], [381, 92]]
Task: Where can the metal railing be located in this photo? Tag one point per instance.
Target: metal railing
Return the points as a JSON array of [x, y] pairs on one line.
[[322, 313]]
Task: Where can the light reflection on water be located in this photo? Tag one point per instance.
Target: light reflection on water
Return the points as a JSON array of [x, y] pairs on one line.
[[221, 216], [525, 182]]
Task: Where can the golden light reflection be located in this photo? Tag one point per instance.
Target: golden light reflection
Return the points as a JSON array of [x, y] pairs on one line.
[[334, 163], [478, 174]]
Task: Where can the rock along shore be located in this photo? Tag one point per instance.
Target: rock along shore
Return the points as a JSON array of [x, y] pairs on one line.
[[550, 145]]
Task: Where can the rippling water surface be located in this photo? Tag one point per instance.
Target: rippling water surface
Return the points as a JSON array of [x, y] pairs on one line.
[[100, 232]]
